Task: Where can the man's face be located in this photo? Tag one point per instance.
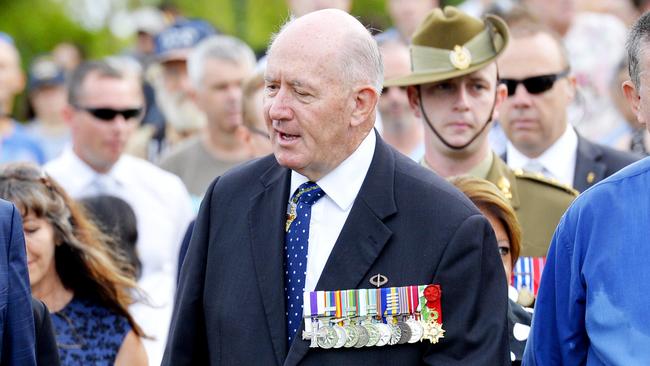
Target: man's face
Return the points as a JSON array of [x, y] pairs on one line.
[[175, 76], [11, 78], [100, 142], [408, 14], [48, 102], [459, 108], [396, 114], [307, 107], [220, 93], [533, 122]]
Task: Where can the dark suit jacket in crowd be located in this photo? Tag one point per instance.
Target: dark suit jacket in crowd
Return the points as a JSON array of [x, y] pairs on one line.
[[406, 223], [595, 162], [47, 353], [16, 318]]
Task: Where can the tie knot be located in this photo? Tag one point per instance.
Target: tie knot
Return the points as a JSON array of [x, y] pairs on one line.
[[308, 193]]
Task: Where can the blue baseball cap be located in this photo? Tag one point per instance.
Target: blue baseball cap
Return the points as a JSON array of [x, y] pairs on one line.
[[44, 71], [176, 41]]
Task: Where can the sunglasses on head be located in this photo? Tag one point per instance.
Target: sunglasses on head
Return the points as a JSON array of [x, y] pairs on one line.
[[535, 84], [109, 114]]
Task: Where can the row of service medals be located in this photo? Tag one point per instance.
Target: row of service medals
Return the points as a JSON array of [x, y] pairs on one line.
[[372, 317]]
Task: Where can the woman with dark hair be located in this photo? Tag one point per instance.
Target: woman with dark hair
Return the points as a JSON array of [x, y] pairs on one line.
[[496, 208], [115, 217], [74, 271]]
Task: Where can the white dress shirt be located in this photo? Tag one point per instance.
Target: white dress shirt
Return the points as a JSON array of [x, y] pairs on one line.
[[558, 161], [328, 215], [163, 211]]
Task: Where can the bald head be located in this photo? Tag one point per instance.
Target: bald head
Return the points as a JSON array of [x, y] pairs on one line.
[[321, 89], [337, 37]]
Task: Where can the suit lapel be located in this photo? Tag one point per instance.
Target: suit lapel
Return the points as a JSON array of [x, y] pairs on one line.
[[267, 218], [363, 236], [589, 167]]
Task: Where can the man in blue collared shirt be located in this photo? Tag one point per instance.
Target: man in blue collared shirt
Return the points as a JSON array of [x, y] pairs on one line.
[[592, 304]]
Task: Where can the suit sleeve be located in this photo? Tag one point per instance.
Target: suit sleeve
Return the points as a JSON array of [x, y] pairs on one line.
[[474, 299], [558, 335], [187, 340], [18, 342], [47, 353]]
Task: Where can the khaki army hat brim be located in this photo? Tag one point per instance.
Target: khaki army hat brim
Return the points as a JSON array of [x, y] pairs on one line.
[[432, 54]]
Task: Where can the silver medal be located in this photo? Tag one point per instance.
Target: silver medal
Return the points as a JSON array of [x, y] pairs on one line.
[[384, 334], [340, 333], [351, 336]]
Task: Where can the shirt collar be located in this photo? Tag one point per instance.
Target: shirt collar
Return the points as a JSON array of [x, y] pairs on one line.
[[85, 174], [561, 151], [343, 183]]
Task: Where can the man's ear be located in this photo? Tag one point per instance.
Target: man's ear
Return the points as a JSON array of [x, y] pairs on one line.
[[68, 115], [365, 101], [633, 99], [573, 86], [413, 94], [501, 95]]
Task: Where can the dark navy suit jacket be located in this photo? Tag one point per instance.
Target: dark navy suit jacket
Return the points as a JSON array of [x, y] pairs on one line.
[[406, 223], [595, 162], [16, 318]]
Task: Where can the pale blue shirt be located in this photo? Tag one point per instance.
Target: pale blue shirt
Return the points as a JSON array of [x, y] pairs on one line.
[[592, 307]]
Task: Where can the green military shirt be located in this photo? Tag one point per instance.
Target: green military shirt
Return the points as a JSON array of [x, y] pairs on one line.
[[538, 201]]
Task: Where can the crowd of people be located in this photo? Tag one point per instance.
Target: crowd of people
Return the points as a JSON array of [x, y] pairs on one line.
[[179, 203]]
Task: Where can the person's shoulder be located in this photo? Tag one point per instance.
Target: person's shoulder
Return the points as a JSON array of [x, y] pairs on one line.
[[417, 180], [181, 152], [528, 181], [5, 206], [617, 156]]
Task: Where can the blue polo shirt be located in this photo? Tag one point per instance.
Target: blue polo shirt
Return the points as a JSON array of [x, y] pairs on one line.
[[592, 307], [20, 146]]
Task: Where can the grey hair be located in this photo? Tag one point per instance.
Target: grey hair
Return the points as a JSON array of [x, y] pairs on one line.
[[639, 34], [220, 47], [359, 59]]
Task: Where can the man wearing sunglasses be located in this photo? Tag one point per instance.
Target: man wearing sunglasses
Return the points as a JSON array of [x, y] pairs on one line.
[[536, 72], [453, 88], [105, 106]]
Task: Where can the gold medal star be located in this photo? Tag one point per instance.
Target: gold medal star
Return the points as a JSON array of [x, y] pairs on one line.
[[432, 331]]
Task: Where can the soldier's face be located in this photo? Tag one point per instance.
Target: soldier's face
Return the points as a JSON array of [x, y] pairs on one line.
[[458, 108], [534, 121]]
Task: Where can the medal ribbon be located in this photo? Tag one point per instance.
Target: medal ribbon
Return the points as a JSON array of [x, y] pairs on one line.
[[362, 302], [372, 301], [339, 303], [352, 306]]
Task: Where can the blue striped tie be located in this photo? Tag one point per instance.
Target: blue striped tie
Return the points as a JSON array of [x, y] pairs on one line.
[[295, 247]]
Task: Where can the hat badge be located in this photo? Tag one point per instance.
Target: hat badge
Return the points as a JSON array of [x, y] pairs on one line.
[[460, 57]]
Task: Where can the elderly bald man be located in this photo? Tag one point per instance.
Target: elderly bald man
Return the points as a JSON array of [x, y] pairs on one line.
[[387, 253]]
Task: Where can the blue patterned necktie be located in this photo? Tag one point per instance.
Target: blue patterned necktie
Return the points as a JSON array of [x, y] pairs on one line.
[[295, 248]]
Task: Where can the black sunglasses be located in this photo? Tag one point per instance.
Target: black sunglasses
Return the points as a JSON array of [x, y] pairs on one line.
[[535, 84], [109, 114]]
